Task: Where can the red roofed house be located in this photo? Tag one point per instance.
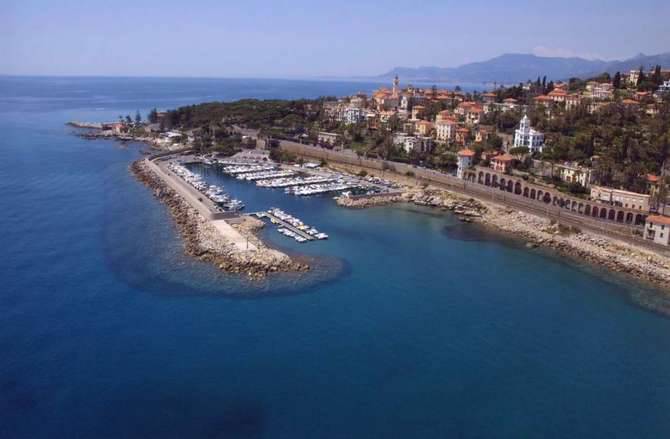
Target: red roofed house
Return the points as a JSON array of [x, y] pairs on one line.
[[445, 129], [630, 103], [557, 95], [489, 97], [502, 163], [465, 157], [423, 127], [462, 135], [657, 229]]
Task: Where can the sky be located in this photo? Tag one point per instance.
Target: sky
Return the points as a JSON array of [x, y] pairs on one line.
[[304, 39]]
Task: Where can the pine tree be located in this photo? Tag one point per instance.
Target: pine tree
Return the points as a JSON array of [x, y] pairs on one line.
[[656, 77], [616, 82]]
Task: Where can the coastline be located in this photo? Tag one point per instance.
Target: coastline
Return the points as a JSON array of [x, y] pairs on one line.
[[583, 246], [209, 242]]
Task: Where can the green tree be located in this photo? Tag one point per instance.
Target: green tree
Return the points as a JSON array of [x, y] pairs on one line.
[[153, 116]]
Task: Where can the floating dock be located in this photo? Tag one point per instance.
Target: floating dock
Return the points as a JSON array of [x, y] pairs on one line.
[[285, 224]]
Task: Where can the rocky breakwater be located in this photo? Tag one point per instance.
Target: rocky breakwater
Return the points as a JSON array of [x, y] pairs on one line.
[[204, 241], [467, 209], [614, 255], [364, 201]]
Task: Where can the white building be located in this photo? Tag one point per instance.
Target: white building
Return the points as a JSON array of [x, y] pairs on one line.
[[657, 229], [665, 87], [573, 173], [599, 90], [621, 198], [325, 138], [445, 130], [465, 157], [528, 137], [413, 143], [354, 115]]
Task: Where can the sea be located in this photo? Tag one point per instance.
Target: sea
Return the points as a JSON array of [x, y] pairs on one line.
[[411, 325]]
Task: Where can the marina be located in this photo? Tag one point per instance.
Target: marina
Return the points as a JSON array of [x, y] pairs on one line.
[[300, 180], [264, 175], [317, 189], [291, 226], [215, 193], [295, 181]]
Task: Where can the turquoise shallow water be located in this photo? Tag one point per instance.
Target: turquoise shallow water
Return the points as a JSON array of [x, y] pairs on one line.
[[414, 326]]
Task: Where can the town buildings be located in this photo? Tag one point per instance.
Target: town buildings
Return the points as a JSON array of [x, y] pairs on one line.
[[657, 229], [621, 198], [573, 173], [445, 129], [526, 136], [502, 163], [465, 157], [330, 139]]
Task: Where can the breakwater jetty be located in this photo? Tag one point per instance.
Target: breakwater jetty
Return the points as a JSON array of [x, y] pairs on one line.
[[229, 243]]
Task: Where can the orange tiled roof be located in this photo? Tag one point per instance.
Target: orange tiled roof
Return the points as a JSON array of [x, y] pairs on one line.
[[466, 153], [503, 158], [658, 219]]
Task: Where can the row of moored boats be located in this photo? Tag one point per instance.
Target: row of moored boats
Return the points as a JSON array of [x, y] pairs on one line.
[[213, 192], [311, 232]]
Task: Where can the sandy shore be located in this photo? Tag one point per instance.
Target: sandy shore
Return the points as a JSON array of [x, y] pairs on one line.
[[233, 248]]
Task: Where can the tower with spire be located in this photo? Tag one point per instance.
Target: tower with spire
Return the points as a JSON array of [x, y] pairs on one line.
[[396, 88]]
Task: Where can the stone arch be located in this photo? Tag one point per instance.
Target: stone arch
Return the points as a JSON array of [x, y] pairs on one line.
[[611, 215], [480, 177], [574, 207], [629, 218], [487, 179], [526, 192], [533, 194], [580, 208], [503, 183], [556, 201], [620, 216], [517, 188], [587, 210], [547, 198], [603, 213], [494, 181], [510, 186], [639, 219]]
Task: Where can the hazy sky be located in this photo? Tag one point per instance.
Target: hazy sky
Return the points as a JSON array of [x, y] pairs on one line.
[[300, 38]]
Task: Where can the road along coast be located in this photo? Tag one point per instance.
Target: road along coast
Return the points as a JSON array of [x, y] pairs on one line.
[[230, 245]]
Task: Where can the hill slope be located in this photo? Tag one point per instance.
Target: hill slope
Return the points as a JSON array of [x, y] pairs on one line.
[[511, 68]]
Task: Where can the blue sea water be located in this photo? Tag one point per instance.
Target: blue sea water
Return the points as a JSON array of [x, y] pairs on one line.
[[414, 325]]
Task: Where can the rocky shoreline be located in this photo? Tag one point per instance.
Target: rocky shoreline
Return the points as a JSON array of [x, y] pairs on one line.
[[640, 263], [583, 246], [204, 242]]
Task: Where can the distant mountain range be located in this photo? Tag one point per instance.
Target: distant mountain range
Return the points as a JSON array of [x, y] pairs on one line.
[[514, 68]]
